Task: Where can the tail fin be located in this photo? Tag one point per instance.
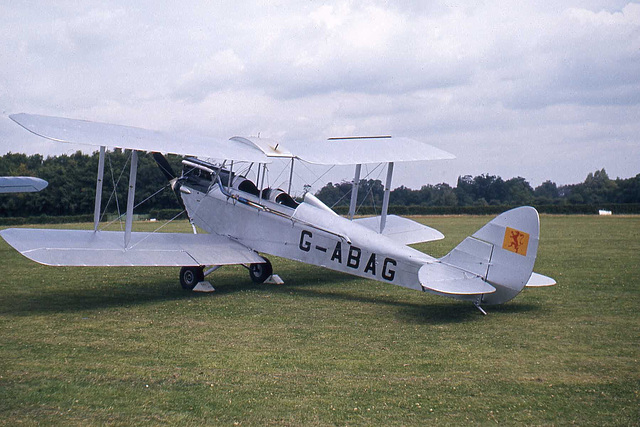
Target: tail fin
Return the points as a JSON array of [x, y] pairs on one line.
[[502, 253]]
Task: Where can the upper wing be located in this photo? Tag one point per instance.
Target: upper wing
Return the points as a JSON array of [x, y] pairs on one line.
[[105, 248], [109, 135], [21, 184], [335, 151], [402, 230], [351, 151]]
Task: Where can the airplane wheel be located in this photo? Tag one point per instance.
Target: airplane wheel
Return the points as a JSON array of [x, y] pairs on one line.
[[260, 272], [190, 276]]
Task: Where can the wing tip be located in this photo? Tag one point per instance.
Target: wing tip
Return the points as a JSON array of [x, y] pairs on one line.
[[538, 281]]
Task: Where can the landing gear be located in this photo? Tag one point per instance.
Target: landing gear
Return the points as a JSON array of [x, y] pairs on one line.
[[260, 272], [477, 305], [190, 276]]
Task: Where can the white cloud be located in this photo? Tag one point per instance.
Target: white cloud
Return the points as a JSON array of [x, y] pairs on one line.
[[222, 69], [548, 83]]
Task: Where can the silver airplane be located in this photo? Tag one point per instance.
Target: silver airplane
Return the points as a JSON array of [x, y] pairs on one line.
[[244, 220]]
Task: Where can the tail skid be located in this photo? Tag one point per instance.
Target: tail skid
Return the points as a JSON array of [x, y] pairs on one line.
[[494, 264]]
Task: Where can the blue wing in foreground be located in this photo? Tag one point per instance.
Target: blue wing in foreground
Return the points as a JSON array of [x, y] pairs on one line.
[[21, 184]]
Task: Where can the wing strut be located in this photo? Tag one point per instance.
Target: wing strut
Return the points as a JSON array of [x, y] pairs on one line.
[[290, 176], [130, 197], [354, 192], [264, 172], [98, 206], [385, 200]]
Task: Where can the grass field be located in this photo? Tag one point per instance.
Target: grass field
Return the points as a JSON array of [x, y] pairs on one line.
[[126, 346]]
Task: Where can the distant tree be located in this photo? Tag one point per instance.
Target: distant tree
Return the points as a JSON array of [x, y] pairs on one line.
[[464, 190], [490, 188], [443, 195], [547, 191], [426, 195], [519, 192], [329, 194], [404, 196], [598, 188], [628, 190]]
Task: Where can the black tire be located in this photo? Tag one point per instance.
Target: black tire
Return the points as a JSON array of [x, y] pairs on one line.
[[190, 276], [260, 272]]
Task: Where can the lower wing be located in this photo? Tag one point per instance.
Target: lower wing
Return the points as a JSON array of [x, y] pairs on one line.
[[106, 248]]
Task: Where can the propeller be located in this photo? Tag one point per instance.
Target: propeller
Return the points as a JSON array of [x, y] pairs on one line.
[[164, 166], [168, 172]]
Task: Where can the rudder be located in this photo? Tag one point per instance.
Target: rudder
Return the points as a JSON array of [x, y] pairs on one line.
[[502, 252]]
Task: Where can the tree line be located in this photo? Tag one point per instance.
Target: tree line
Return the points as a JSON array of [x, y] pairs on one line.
[[72, 184], [491, 190], [72, 180]]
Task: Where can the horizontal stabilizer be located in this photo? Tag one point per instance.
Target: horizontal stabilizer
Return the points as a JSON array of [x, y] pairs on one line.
[[106, 248], [538, 280], [446, 279], [402, 230]]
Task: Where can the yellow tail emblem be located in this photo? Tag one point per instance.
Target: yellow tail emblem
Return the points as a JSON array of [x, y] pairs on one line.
[[516, 241]]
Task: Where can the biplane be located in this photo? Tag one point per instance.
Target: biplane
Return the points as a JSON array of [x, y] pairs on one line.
[[244, 220]]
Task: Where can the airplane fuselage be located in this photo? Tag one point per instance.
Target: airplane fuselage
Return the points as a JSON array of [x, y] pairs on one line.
[[307, 233]]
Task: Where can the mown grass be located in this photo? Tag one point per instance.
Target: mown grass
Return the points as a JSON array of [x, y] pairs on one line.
[[126, 346]]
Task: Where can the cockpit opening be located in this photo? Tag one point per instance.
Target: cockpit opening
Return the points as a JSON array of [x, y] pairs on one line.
[[200, 175], [246, 185], [279, 196]]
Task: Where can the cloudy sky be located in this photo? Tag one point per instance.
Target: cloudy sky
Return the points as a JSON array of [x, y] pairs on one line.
[[543, 90]]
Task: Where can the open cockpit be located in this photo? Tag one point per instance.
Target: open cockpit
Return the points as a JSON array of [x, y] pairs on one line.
[[201, 176]]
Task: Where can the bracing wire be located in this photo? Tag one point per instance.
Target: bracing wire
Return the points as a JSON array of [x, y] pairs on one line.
[[114, 192], [351, 189], [370, 191], [120, 215], [282, 171]]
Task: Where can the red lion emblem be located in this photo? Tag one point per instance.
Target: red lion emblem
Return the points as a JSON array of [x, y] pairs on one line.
[[516, 241]]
